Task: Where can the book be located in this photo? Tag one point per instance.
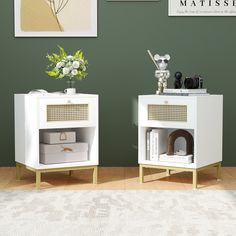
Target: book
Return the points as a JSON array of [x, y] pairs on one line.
[[158, 139], [154, 145], [151, 146], [186, 94], [176, 158], [148, 144], [185, 91]]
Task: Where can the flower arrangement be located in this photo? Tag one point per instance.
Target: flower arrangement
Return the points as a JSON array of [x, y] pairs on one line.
[[64, 65]]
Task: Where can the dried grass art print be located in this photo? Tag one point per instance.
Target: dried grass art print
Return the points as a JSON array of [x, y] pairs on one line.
[[59, 18], [56, 7]]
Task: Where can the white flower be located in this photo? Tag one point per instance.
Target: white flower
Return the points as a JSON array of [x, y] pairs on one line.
[[69, 57], [59, 65], [76, 64], [74, 72], [66, 71]]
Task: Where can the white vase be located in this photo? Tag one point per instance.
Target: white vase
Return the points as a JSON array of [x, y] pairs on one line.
[[70, 91]]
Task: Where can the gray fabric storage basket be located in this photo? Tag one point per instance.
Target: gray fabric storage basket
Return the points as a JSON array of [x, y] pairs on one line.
[[59, 137], [63, 153]]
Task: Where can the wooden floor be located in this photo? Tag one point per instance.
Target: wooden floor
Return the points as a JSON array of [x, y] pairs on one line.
[[119, 178]]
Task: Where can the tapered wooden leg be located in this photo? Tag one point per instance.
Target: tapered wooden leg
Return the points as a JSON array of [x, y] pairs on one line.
[[218, 172], [95, 175], [141, 176], [18, 171], [168, 172], [38, 179], [70, 172], [195, 179]]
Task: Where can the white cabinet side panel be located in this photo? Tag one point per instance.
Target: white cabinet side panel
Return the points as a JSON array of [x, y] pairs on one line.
[[142, 147], [19, 107], [91, 136], [209, 133], [31, 131]]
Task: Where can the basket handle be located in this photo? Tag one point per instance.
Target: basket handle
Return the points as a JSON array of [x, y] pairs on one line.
[[63, 136], [67, 149]]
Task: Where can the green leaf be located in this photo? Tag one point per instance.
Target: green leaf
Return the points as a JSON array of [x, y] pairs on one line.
[[62, 52], [52, 73], [57, 58]]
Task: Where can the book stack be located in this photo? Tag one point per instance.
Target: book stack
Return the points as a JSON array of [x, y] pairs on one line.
[[156, 143], [185, 92], [187, 159]]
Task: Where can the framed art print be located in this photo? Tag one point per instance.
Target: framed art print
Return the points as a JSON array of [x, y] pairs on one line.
[[133, 0], [202, 7], [55, 18]]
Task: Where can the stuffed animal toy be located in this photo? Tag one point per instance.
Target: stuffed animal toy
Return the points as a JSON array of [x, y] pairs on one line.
[[162, 74], [178, 80]]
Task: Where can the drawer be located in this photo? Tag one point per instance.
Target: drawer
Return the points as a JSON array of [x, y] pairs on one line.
[[167, 111], [67, 112]]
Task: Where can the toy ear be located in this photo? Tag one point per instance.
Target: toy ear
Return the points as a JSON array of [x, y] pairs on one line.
[[156, 57], [167, 56]]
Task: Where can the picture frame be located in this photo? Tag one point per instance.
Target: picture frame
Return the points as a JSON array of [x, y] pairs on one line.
[[201, 8], [55, 18], [133, 0]]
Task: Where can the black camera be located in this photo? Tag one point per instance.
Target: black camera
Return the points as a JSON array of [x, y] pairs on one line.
[[195, 82]]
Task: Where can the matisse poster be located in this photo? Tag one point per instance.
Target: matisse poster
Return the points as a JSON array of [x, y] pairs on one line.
[[202, 7], [55, 18]]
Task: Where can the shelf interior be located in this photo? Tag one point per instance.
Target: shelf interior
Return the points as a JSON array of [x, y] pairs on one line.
[[83, 134], [180, 144]]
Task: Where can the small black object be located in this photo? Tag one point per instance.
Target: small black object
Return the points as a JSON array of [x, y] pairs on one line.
[[195, 82], [178, 80], [200, 82]]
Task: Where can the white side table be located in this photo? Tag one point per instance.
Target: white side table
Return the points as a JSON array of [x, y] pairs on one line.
[[200, 115], [35, 113]]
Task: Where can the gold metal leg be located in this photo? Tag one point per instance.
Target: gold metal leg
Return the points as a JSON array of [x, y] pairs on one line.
[[194, 179], [18, 171], [168, 172], [218, 172], [141, 176], [95, 175], [38, 179], [70, 172]]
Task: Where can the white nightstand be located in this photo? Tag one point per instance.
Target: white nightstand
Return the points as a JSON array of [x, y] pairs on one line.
[[199, 115], [35, 113]]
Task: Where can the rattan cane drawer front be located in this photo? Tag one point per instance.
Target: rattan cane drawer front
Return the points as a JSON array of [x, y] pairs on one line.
[[67, 112], [174, 113]]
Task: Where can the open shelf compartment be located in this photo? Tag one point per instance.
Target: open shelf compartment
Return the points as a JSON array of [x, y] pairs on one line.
[[83, 134], [180, 144]]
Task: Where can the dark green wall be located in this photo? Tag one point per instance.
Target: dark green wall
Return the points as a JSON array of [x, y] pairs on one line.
[[120, 69]]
